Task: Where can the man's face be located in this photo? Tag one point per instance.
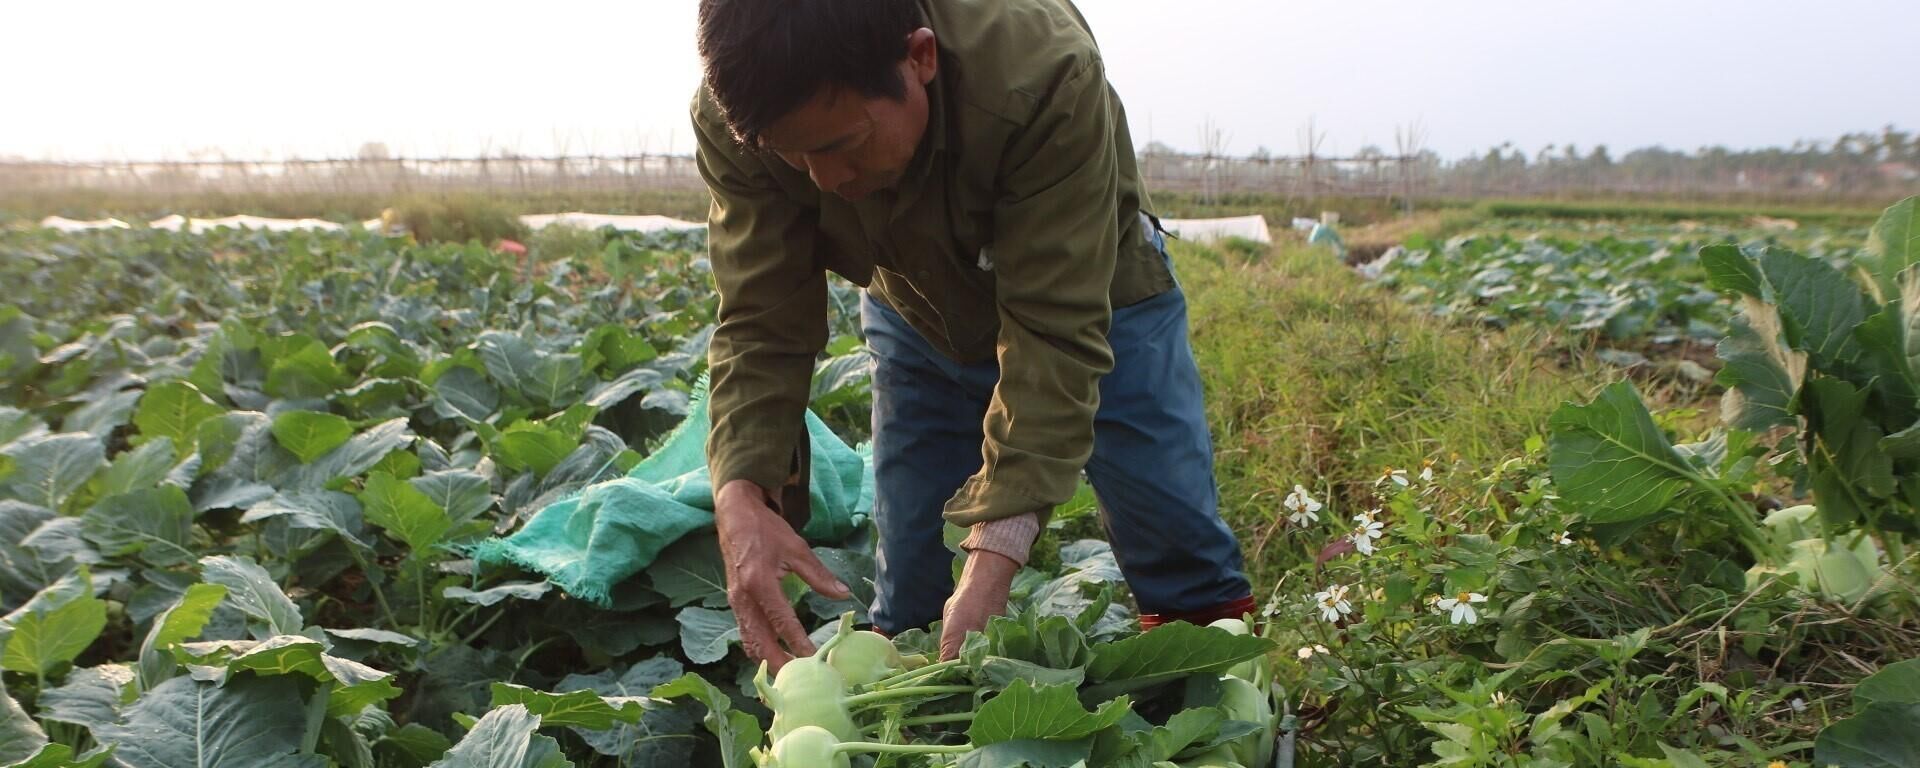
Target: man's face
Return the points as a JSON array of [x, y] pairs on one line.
[[853, 145]]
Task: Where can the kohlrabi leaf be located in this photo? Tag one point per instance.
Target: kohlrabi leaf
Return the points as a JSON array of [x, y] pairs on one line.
[[184, 723], [1612, 463], [1050, 713]]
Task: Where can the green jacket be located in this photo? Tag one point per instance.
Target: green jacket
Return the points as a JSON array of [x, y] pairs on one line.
[[1015, 232]]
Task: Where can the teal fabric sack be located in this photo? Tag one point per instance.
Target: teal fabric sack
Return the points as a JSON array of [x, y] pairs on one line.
[[590, 542]]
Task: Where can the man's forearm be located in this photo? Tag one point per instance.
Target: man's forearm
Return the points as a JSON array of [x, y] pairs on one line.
[[1009, 537]]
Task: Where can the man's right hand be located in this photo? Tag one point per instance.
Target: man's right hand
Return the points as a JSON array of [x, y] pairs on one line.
[[760, 548]]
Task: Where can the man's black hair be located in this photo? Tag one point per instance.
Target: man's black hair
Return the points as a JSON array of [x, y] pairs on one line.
[[765, 58]]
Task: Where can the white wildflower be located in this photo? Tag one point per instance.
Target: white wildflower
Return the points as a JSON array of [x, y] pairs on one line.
[[1798, 704], [1301, 508], [1461, 606], [1426, 471], [1565, 540], [1333, 603], [1369, 530], [1307, 651], [1396, 476]]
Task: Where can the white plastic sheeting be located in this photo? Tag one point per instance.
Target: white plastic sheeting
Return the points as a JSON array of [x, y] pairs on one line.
[[1197, 230], [177, 223], [579, 220], [1213, 230], [75, 225]]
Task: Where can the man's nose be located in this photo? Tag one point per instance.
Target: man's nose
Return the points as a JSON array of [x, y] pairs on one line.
[[829, 175]]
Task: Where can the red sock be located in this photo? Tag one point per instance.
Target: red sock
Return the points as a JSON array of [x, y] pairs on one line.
[[1234, 609]]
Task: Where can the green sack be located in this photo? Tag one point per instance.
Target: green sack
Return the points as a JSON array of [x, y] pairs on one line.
[[589, 542]]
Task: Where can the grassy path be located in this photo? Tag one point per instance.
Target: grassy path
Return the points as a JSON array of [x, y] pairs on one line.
[[1316, 377]]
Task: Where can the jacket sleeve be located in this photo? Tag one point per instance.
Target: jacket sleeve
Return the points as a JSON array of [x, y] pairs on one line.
[[1055, 246], [772, 321]]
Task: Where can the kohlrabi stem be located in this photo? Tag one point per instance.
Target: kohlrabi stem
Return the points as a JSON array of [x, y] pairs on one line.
[[912, 675], [316, 717], [903, 749], [1748, 529], [484, 626], [828, 646], [379, 595], [875, 697]]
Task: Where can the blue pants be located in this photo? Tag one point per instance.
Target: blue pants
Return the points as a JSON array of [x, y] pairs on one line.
[[1152, 464]]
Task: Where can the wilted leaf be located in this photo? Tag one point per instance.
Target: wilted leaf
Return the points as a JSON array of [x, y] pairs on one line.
[[521, 590], [579, 708], [355, 686], [380, 636]]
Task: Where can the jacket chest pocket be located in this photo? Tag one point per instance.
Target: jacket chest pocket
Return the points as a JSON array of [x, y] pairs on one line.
[[973, 235]]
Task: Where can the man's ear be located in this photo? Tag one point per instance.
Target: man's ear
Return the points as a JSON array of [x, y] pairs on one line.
[[923, 54]]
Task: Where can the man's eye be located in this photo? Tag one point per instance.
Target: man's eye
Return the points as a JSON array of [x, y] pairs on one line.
[[851, 145]]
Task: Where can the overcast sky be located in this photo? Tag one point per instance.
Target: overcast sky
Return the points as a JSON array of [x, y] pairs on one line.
[[91, 79]]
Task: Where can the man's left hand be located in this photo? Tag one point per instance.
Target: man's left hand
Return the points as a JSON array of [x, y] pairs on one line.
[[980, 595]]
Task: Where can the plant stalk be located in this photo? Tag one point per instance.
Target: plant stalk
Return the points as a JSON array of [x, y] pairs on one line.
[[379, 595], [955, 717], [316, 717], [877, 697], [484, 626], [913, 675], [904, 749]]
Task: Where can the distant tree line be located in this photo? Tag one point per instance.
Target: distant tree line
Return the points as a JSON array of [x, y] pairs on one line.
[[1864, 161]]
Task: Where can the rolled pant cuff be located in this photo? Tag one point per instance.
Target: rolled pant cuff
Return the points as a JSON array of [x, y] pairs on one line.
[[1233, 609]]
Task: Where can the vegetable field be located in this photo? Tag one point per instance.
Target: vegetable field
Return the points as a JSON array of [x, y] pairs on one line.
[[243, 477], [1639, 286]]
